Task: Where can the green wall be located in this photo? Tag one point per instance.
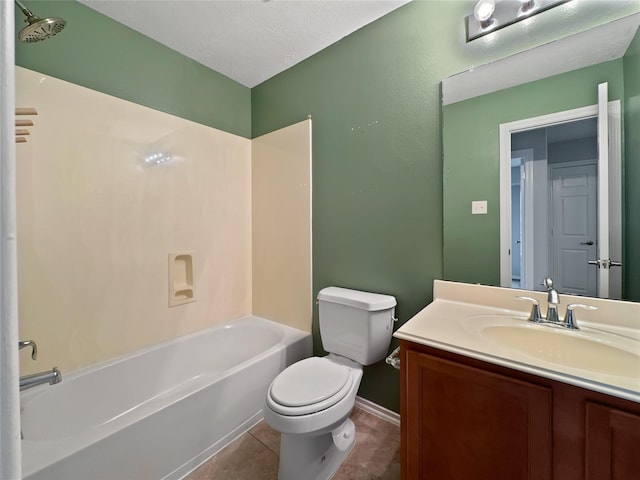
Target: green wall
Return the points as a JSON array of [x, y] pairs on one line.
[[377, 175], [471, 140], [377, 158], [631, 173], [99, 53]]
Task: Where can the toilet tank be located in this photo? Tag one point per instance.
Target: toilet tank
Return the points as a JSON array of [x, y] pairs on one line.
[[357, 325]]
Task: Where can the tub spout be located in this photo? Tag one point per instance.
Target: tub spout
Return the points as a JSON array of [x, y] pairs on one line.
[[51, 377]]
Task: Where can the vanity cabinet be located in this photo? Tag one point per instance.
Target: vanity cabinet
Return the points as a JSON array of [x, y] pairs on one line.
[[612, 443], [467, 423], [468, 419]]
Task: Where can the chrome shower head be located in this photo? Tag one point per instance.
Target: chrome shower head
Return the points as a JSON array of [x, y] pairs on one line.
[[39, 28]]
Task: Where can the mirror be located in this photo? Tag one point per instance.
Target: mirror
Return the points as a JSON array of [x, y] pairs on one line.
[[557, 77]]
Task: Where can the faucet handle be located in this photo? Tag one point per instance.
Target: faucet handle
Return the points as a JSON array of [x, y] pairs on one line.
[[570, 320], [29, 343], [534, 316]]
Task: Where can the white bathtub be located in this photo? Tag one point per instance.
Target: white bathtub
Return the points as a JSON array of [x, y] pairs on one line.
[[160, 412]]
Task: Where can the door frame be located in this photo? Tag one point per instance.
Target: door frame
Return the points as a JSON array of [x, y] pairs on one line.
[[615, 181]]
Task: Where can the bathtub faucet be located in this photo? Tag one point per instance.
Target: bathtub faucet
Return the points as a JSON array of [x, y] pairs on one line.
[[51, 377], [29, 343]]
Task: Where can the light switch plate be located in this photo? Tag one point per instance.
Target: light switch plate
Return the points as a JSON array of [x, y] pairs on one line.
[[479, 207]]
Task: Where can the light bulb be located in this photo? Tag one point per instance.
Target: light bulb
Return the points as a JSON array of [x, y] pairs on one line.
[[527, 7], [484, 9]]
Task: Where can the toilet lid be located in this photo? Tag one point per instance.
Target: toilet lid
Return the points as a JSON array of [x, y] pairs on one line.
[[309, 381]]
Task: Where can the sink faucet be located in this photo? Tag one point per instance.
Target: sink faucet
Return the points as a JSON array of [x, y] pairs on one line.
[[553, 299], [51, 377]]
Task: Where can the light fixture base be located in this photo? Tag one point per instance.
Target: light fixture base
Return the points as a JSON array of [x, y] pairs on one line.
[[507, 13]]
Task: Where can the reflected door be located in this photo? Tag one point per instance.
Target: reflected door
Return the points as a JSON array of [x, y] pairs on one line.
[[574, 228]]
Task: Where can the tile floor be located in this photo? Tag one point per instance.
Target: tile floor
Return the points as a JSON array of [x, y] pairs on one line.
[[254, 456]]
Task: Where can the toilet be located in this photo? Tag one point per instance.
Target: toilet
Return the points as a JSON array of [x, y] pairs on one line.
[[309, 402]]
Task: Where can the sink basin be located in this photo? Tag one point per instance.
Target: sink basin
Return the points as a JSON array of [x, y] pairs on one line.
[[594, 351]]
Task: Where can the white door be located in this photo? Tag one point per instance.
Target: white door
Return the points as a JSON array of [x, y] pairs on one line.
[[574, 228]]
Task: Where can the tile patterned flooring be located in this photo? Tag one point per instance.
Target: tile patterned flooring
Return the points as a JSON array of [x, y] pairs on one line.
[[254, 456]]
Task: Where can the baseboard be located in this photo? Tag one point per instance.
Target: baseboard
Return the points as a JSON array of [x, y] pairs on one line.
[[378, 411]]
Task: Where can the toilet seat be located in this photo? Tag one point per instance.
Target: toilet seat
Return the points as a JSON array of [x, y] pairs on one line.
[[309, 386]]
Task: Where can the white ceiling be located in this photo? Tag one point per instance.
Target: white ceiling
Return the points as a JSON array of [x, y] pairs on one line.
[[246, 40]]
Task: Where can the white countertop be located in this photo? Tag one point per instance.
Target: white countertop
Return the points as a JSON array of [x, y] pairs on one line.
[[452, 322]]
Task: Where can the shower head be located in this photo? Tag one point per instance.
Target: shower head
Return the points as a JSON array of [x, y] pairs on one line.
[[39, 28]]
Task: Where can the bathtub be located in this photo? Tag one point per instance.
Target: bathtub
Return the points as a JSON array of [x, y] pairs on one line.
[[158, 413]]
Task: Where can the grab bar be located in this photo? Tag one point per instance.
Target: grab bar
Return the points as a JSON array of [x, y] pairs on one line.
[[394, 359]]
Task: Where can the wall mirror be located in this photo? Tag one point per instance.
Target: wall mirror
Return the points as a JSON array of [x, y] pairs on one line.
[[555, 157]]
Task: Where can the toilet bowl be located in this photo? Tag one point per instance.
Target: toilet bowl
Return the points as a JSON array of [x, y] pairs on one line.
[[316, 432], [309, 403]]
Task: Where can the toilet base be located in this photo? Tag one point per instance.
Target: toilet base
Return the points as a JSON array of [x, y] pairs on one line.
[[315, 457]]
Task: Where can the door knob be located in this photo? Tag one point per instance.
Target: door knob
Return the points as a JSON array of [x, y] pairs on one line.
[[604, 263]]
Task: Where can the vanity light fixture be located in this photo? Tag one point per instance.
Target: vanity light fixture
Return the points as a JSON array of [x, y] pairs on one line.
[[490, 15]]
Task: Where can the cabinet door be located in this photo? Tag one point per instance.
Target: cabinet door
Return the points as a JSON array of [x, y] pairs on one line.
[[473, 424], [612, 444]]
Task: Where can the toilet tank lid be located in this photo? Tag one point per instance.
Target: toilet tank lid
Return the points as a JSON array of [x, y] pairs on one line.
[[355, 298]]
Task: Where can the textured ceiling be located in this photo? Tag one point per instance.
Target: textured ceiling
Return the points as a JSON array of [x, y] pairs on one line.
[[246, 40]]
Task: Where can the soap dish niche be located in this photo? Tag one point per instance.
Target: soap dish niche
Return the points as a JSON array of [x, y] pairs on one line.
[[181, 289]]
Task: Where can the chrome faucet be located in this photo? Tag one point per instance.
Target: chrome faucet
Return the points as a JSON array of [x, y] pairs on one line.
[[29, 343], [51, 377], [553, 299]]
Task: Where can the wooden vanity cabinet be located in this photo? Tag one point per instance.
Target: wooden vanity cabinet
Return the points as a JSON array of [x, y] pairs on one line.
[[468, 423], [612, 443], [467, 419]]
